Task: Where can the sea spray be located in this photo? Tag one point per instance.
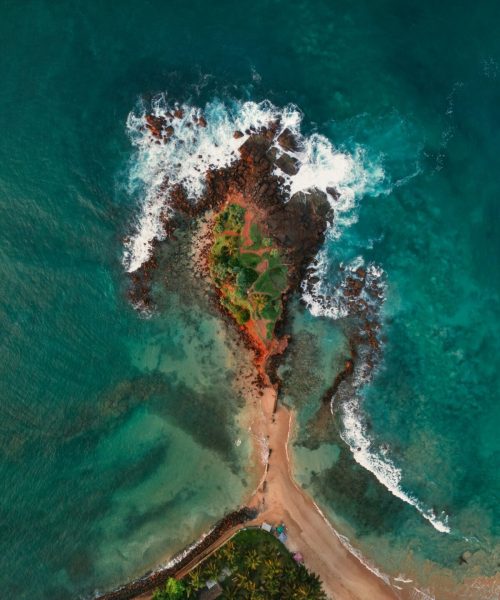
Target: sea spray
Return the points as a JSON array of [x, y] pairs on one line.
[[192, 150]]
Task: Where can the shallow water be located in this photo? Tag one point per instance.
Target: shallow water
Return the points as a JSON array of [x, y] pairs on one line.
[[112, 451]]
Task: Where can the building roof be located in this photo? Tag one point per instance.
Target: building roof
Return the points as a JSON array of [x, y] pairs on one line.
[[210, 594]]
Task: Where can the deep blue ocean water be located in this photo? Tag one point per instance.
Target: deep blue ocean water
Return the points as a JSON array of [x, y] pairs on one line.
[[117, 433]]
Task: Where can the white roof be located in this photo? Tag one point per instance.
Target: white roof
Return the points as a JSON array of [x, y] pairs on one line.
[[266, 527]]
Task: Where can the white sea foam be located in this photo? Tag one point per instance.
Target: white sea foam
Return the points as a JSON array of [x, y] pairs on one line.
[[355, 552], [324, 167], [330, 301], [354, 434], [401, 578], [333, 303], [178, 557], [192, 151], [418, 594]]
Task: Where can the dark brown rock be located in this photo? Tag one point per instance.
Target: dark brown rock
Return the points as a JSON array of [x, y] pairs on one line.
[[288, 164], [272, 153], [288, 141], [333, 193], [155, 125]]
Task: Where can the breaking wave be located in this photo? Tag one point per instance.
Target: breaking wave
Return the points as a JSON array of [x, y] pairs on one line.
[[192, 150], [378, 462], [323, 300], [333, 300]]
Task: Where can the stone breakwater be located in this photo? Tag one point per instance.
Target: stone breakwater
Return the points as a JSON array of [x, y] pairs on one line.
[[151, 580]]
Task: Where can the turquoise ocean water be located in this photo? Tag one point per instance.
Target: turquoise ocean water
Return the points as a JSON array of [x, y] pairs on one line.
[[119, 435]]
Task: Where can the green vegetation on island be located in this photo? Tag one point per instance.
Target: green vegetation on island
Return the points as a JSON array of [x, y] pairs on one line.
[[247, 269], [253, 565]]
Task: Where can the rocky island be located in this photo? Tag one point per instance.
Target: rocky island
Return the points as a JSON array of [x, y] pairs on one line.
[[260, 239]]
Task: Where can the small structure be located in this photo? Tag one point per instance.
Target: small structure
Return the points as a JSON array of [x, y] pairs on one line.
[[298, 558], [282, 537], [266, 527], [280, 528], [211, 593]]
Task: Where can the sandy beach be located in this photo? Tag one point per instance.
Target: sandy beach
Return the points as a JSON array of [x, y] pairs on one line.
[[279, 499]]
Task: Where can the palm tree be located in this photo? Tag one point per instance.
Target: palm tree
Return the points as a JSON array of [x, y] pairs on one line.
[[173, 590], [231, 593], [194, 578], [302, 574], [252, 560], [271, 587], [212, 568], [251, 587], [227, 552], [302, 592], [272, 568], [240, 580]]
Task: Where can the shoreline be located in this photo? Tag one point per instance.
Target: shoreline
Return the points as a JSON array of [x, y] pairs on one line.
[[277, 498]]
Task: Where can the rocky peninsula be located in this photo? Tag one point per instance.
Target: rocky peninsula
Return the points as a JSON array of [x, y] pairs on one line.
[[254, 244]]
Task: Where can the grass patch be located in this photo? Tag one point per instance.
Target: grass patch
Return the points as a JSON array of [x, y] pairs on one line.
[[249, 259], [251, 281], [255, 235], [272, 282]]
